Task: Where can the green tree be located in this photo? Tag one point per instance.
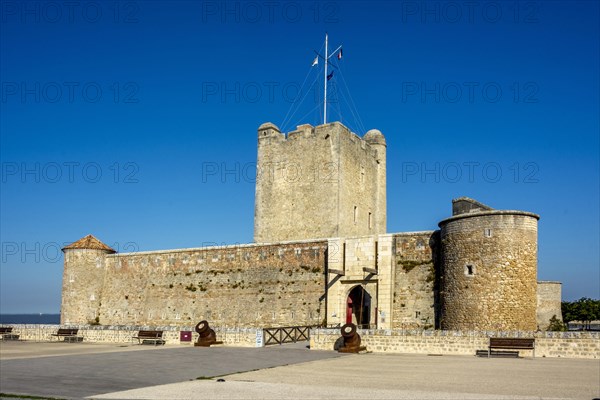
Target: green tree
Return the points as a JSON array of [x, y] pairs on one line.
[[584, 310], [556, 325]]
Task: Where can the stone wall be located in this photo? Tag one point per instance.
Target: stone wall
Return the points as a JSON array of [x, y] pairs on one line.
[[364, 263], [239, 337], [362, 196], [549, 302], [414, 278], [310, 182], [547, 344], [489, 271], [83, 284], [232, 286]]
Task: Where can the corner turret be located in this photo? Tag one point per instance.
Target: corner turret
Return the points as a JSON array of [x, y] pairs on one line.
[[489, 279], [83, 279]]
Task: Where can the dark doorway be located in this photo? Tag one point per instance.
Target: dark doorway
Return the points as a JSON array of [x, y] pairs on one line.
[[358, 307]]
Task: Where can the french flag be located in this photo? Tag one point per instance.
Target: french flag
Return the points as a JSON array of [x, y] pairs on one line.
[[339, 56]]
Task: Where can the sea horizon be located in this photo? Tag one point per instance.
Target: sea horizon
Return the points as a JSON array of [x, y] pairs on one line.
[[30, 318]]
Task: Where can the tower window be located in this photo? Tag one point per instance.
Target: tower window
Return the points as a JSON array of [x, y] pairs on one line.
[[469, 270], [355, 213], [487, 232], [369, 220]]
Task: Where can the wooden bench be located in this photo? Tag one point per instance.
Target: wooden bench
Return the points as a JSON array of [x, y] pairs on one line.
[[6, 333], [150, 337], [512, 343], [69, 334]]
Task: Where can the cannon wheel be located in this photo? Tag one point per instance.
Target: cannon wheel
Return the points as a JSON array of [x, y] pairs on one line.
[[348, 330], [202, 327]]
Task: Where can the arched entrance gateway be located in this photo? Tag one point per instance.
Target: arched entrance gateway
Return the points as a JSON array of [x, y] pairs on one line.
[[358, 307]]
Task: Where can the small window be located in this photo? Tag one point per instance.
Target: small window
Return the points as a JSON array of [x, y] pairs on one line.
[[487, 232], [355, 213], [369, 220], [469, 270], [417, 314]]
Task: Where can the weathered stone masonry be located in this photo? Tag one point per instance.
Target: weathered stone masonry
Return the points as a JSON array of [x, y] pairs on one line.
[[323, 256], [319, 182], [489, 270], [247, 285]]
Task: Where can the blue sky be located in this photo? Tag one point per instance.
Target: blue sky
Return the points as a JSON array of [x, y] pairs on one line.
[[136, 121]]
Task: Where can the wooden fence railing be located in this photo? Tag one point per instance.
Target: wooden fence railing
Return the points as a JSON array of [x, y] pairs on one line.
[[288, 334]]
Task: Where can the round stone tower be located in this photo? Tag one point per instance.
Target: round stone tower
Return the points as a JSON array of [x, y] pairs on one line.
[[83, 278], [377, 141], [489, 268]]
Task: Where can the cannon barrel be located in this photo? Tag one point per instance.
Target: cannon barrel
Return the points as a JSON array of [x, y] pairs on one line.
[[207, 335], [351, 339]]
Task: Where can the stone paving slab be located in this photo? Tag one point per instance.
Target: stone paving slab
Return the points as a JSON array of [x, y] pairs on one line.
[[277, 391], [290, 372], [397, 376], [82, 375], [23, 349]]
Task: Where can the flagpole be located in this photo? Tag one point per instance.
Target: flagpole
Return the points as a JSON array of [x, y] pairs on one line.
[[325, 80]]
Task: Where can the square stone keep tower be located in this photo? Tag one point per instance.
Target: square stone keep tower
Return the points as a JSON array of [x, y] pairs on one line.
[[319, 182]]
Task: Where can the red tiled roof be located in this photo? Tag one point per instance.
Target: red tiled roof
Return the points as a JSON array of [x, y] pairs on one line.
[[89, 242]]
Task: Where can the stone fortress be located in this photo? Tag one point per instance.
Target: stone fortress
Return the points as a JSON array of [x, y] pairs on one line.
[[321, 256]]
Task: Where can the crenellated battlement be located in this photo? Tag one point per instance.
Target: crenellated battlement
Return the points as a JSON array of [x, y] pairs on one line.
[[322, 255], [319, 181]]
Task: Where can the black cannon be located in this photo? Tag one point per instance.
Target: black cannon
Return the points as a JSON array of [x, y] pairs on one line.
[[351, 340], [207, 335]]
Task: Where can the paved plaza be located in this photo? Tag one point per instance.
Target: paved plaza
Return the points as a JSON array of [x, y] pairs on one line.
[[79, 370]]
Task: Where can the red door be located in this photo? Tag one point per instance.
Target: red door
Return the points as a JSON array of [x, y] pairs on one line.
[[349, 311]]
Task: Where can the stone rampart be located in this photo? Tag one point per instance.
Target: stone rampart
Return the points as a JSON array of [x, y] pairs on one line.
[[241, 286], [414, 279], [239, 337], [547, 344]]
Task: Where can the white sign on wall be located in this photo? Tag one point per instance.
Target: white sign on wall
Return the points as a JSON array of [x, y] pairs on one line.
[[259, 338]]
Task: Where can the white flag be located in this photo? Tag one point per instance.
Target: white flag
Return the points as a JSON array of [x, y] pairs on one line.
[[315, 61]]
